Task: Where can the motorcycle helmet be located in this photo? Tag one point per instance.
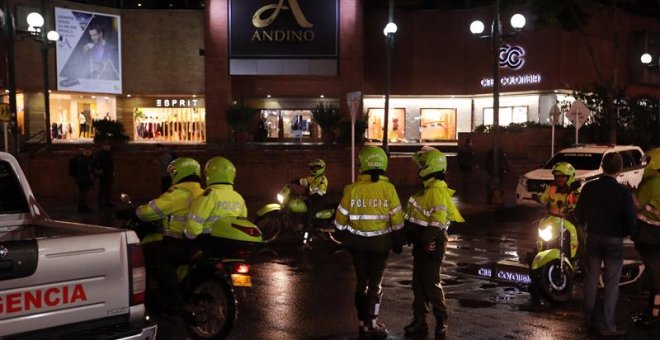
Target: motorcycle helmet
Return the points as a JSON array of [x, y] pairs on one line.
[[565, 169], [219, 170], [430, 160], [317, 167], [652, 163], [181, 168], [372, 158]]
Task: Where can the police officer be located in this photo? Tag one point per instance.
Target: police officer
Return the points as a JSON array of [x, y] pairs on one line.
[[171, 207], [428, 215], [647, 241], [370, 219], [218, 200], [316, 185], [559, 197]]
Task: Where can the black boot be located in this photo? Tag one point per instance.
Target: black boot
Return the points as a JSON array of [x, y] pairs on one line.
[[418, 325], [361, 308], [440, 325]]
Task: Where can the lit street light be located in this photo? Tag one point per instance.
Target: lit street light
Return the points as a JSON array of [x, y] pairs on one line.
[[389, 31], [477, 28], [35, 31]]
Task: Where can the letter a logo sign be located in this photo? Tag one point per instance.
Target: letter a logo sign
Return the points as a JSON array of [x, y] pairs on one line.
[[275, 9]]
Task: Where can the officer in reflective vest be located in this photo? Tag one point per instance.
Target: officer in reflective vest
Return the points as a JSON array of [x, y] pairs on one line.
[[559, 197], [317, 186], [219, 200], [370, 221], [428, 215], [162, 257], [647, 241]]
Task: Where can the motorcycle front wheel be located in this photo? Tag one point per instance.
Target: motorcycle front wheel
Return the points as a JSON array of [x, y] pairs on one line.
[[270, 225], [211, 310], [553, 283]]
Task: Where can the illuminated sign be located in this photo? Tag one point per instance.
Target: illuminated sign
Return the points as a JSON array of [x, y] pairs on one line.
[[524, 79], [511, 56], [283, 28], [505, 275], [177, 102]]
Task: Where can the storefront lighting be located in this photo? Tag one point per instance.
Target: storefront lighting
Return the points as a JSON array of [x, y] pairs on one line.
[[139, 5], [6, 91], [35, 21], [518, 21], [93, 97], [390, 28], [106, 98], [477, 27], [646, 58], [267, 96], [322, 96], [50, 91], [194, 96], [128, 95]]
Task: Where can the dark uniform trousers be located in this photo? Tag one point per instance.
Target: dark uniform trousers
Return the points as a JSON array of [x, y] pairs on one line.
[[369, 270], [426, 280], [162, 259]]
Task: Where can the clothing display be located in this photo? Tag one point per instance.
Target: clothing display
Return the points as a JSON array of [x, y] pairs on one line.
[[170, 124]]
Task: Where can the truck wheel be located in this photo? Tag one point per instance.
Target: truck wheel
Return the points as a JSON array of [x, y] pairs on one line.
[[211, 311], [270, 226], [553, 283]]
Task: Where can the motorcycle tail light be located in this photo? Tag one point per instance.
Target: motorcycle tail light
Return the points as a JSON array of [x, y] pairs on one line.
[[242, 268], [254, 232]]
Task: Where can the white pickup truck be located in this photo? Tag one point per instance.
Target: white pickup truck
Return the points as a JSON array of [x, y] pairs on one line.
[[65, 280]]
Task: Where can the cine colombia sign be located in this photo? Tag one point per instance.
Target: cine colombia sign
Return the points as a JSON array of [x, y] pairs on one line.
[[283, 28]]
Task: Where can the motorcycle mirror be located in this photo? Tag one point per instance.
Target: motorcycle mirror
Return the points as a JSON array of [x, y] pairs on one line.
[[126, 198]]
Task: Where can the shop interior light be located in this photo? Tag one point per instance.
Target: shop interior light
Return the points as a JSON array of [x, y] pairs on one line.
[[35, 20], [53, 36], [322, 96], [646, 58], [128, 95], [267, 96], [390, 28], [477, 27], [518, 21]]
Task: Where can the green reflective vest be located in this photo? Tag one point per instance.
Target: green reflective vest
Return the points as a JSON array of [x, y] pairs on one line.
[[171, 207], [217, 201]]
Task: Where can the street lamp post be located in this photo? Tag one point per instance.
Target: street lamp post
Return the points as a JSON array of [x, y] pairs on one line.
[[389, 31], [477, 28]]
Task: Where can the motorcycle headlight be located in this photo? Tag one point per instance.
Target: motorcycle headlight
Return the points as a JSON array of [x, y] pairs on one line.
[[280, 198], [545, 233]]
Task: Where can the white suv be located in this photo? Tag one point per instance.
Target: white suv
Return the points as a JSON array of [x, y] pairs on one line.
[[587, 163]]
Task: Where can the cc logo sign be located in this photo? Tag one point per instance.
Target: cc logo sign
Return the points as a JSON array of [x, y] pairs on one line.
[[511, 56]]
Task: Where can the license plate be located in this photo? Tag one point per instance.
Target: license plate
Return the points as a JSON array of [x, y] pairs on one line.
[[240, 280]]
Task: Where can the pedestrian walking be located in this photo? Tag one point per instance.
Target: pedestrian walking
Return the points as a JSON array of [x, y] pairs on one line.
[[607, 211], [647, 239], [370, 221], [428, 215], [105, 172], [81, 168], [465, 159]]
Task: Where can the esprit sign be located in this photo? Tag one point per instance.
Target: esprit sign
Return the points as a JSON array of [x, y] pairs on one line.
[[176, 102], [283, 28]]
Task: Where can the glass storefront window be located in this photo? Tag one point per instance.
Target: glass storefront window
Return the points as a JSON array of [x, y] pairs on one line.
[[71, 116], [437, 124], [168, 124], [508, 115], [293, 123], [396, 125]]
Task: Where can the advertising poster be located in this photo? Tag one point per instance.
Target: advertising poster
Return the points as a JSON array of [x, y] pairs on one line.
[[89, 53]]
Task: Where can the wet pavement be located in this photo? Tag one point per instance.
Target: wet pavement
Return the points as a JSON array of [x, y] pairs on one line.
[[297, 296]]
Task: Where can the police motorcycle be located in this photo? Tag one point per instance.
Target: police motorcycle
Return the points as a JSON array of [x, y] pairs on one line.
[[210, 282], [288, 214], [554, 265]]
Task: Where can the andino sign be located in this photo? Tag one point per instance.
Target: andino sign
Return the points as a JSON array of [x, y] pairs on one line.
[[283, 28]]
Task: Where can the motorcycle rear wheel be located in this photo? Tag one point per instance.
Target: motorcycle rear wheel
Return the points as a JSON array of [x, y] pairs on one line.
[[213, 312], [270, 225], [553, 283]]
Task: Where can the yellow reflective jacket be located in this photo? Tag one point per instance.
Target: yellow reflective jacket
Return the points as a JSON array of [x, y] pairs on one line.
[[315, 184], [217, 201], [432, 207], [648, 196], [370, 210], [560, 203], [171, 207]]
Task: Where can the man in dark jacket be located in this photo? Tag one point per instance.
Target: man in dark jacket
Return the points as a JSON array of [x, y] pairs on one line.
[[607, 210], [105, 172], [82, 171]]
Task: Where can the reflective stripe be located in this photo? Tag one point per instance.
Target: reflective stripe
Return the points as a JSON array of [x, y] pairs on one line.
[[439, 225], [648, 220], [442, 226], [189, 235], [156, 209], [652, 210], [342, 210], [340, 226], [438, 207], [367, 233], [369, 217], [206, 230], [212, 219], [416, 221], [173, 234], [397, 226], [417, 206], [395, 210], [182, 219], [195, 218]]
